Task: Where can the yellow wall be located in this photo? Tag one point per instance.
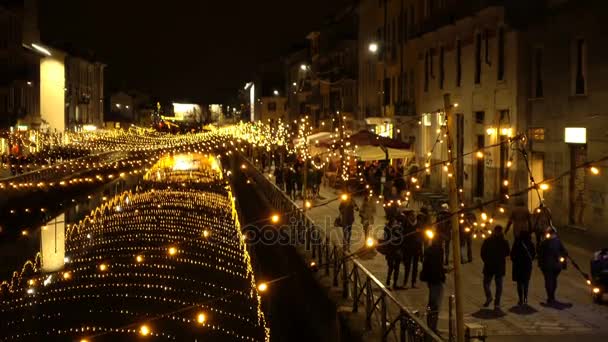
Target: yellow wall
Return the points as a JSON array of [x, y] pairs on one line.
[[52, 92]]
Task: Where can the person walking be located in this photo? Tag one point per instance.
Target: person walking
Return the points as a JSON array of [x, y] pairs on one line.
[[290, 183], [444, 227], [494, 252], [520, 218], [541, 219], [466, 238], [278, 177], [390, 247], [522, 255], [411, 247], [347, 218], [367, 213], [551, 260], [433, 273]]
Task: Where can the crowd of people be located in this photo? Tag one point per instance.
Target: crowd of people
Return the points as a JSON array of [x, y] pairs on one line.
[[404, 242], [290, 178]]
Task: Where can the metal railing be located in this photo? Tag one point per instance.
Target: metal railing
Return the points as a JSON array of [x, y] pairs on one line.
[[384, 314]]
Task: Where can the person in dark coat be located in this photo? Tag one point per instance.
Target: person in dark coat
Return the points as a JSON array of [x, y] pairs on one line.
[[411, 247], [392, 251], [433, 273], [347, 218], [444, 228], [290, 183], [494, 252], [522, 255], [466, 239], [541, 219], [551, 260], [278, 177]]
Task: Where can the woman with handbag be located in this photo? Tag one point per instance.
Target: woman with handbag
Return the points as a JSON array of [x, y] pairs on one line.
[[522, 255]]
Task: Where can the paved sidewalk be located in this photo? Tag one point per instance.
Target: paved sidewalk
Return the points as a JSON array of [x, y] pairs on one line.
[[582, 317]]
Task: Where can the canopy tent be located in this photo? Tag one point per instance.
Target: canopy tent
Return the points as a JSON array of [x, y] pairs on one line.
[[370, 153]]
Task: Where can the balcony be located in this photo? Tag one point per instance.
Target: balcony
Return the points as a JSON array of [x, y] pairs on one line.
[[405, 108], [447, 16]]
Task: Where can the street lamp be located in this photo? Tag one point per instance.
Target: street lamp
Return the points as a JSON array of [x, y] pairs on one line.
[[303, 67], [373, 47]]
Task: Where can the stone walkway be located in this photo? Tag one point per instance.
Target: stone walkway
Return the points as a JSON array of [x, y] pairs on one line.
[[580, 317]]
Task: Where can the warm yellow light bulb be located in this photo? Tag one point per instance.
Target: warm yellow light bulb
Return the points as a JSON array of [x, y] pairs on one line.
[[369, 242], [144, 330], [429, 234], [275, 218], [544, 186], [479, 154], [262, 287], [172, 250], [595, 170], [139, 258], [103, 267], [201, 318]]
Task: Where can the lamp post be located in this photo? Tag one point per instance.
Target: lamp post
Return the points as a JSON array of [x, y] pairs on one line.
[[453, 199]]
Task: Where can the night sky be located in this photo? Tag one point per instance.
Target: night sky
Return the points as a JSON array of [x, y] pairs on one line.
[[200, 50]]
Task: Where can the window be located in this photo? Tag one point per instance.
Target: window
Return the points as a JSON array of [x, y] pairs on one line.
[[431, 66], [405, 26], [441, 67], [393, 90], [501, 54], [477, 58], [426, 120], [272, 106], [486, 37], [387, 91], [537, 73], [537, 134], [426, 72], [458, 62], [480, 117], [440, 119], [580, 64], [404, 85]]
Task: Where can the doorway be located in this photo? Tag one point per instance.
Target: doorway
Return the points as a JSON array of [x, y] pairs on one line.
[[537, 167], [480, 168], [576, 207]]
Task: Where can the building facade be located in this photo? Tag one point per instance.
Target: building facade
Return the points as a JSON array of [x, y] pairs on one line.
[[322, 79], [387, 66], [28, 68], [565, 60], [19, 68], [475, 60], [84, 98], [272, 108]]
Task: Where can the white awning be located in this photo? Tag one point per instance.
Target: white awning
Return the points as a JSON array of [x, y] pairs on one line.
[[370, 153]]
